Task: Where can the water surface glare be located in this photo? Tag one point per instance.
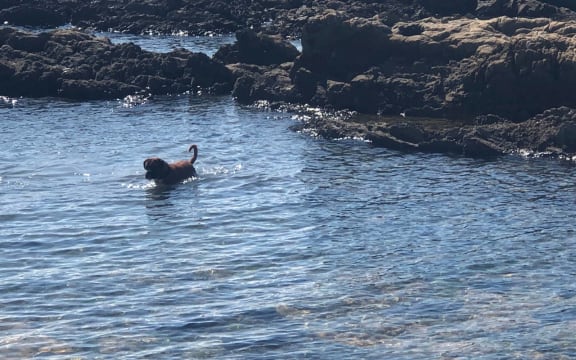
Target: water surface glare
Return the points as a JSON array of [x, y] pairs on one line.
[[286, 246]]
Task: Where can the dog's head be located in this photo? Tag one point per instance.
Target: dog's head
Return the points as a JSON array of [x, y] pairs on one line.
[[156, 169]]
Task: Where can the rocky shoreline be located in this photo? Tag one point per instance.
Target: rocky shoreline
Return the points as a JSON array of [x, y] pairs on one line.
[[286, 17], [76, 65], [501, 84]]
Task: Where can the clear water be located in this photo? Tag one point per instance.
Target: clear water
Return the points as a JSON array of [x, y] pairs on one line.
[[166, 43], [286, 246]]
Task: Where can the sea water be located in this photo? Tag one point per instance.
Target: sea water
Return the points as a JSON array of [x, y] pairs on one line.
[[285, 246]]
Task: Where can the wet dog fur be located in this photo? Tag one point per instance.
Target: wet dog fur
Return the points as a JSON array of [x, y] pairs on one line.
[[169, 174]]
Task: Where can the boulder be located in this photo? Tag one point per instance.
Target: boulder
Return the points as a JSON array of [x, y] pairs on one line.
[[337, 48], [263, 83], [258, 49]]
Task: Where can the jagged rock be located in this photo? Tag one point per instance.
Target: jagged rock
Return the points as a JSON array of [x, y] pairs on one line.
[[488, 76], [458, 68], [73, 64], [340, 94], [285, 17], [32, 15], [263, 83], [526, 8], [449, 7], [258, 49], [551, 132]]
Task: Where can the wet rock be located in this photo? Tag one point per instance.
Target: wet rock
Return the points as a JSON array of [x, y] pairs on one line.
[[504, 83], [99, 89], [76, 65], [552, 132], [566, 136], [476, 146]]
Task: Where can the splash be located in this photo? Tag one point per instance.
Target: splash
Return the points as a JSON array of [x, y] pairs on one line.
[[532, 154], [8, 101], [132, 101], [222, 170], [139, 186]]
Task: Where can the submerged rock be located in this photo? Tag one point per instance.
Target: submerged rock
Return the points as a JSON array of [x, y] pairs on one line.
[[552, 132], [76, 65]]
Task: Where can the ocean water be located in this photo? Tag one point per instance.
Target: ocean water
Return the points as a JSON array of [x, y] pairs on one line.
[[285, 246]]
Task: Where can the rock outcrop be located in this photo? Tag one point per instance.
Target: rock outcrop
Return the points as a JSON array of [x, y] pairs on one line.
[[76, 65], [551, 133], [453, 68], [257, 49], [285, 17], [502, 84], [261, 65]]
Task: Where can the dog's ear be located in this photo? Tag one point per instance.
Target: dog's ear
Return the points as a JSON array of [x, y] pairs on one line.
[[146, 163]]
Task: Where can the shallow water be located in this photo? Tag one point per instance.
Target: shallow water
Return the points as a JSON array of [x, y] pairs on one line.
[[286, 246]]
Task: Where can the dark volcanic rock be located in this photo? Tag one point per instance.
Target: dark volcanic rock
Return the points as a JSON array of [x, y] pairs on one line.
[[449, 7], [258, 49], [261, 64], [31, 15], [376, 57], [263, 83], [552, 132], [479, 73], [526, 8], [455, 68], [76, 65], [285, 17]]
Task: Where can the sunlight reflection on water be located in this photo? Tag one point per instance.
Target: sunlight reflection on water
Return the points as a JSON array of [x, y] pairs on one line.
[[285, 246]]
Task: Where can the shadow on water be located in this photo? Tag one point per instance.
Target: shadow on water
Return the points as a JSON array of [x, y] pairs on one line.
[[159, 193], [163, 201]]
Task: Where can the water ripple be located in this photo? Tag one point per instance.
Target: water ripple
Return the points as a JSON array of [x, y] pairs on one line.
[[284, 247]]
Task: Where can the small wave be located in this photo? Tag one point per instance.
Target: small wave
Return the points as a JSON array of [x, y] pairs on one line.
[[86, 177], [531, 154], [183, 33], [190, 180], [132, 101], [568, 157], [139, 186], [222, 170], [6, 101]]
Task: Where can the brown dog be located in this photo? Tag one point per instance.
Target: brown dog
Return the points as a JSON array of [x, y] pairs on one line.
[[168, 174]]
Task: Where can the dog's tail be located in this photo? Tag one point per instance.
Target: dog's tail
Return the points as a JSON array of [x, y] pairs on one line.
[[195, 156]]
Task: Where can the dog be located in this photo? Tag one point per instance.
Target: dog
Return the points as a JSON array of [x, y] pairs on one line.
[[169, 174]]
